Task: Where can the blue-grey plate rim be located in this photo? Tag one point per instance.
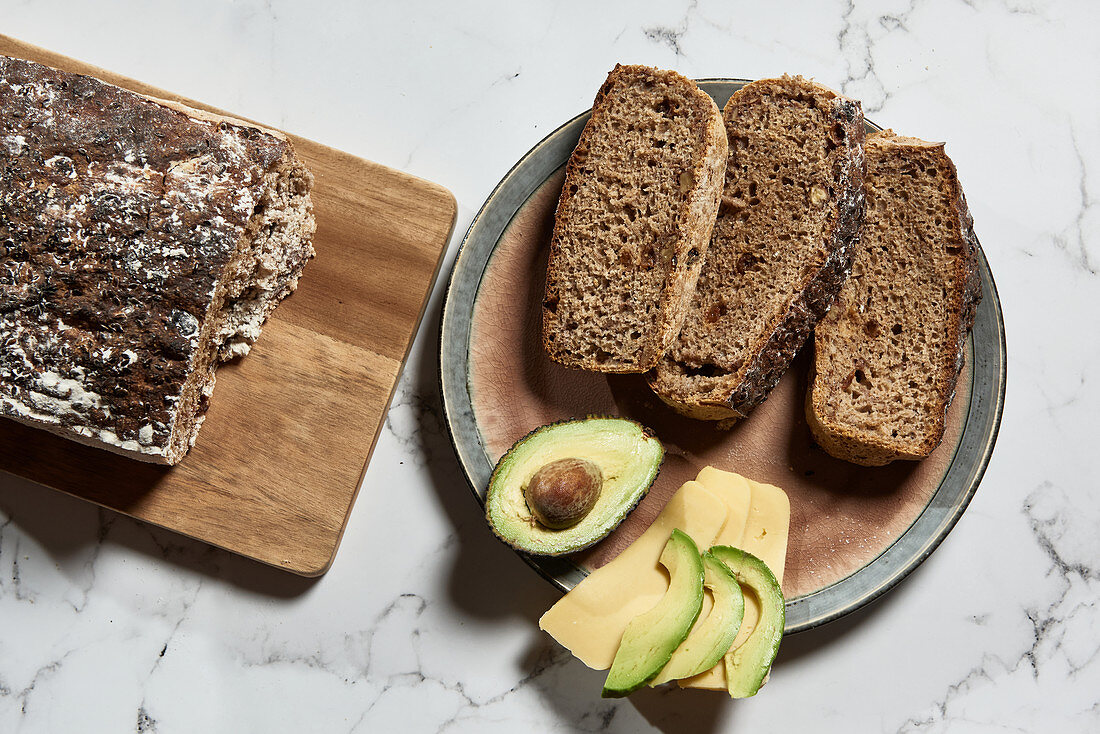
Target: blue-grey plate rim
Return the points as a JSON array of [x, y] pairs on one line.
[[912, 547]]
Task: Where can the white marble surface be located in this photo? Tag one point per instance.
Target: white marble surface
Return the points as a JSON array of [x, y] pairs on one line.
[[425, 623]]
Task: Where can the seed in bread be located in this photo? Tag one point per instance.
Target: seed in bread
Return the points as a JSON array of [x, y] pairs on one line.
[[633, 222], [781, 249], [138, 239], [887, 356]]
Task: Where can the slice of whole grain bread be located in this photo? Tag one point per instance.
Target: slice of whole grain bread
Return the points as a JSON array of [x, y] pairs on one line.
[[633, 223], [781, 249], [887, 356]]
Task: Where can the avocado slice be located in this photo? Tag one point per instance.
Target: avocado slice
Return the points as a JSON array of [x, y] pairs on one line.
[[651, 637], [567, 485], [711, 638], [748, 665]]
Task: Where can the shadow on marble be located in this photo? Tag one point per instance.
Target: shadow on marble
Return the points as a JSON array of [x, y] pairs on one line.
[[572, 690], [671, 709], [482, 566], [74, 532], [569, 687], [814, 641]]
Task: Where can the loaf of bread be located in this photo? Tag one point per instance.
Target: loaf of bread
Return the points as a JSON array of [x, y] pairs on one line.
[[633, 222], [887, 356], [782, 246], [139, 242]]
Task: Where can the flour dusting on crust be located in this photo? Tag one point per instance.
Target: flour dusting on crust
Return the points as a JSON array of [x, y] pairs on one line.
[[136, 241]]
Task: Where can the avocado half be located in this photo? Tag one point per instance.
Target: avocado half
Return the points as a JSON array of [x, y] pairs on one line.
[[627, 453]]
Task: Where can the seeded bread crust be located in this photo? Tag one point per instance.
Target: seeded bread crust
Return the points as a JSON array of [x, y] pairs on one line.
[[860, 444], [654, 274], [140, 242], [731, 396]]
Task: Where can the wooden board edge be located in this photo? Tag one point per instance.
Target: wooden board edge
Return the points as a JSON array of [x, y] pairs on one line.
[[306, 571], [323, 569], [444, 197]]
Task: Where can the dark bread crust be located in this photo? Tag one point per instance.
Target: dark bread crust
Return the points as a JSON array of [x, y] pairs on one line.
[[125, 225], [695, 219], [774, 349], [847, 442]]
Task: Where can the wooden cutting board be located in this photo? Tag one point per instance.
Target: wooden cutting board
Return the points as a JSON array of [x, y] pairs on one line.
[[291, 426]]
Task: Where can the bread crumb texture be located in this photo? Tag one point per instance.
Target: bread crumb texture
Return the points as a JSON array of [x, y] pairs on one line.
[[780, 249], [644, 178], [888, 354]]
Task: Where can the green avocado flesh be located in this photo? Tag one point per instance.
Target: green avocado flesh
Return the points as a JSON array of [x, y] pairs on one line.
[[627, 455], [650, 638], [712, 637], [748, 665]]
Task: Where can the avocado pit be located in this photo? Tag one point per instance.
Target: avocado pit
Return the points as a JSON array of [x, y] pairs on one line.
[[544, 498], [562, 492]]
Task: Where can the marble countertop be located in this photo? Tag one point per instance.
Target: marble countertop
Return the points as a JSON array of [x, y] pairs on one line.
[[425, 622]]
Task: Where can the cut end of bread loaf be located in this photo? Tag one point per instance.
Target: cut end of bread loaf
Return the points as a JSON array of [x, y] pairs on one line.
[[887, 357], [781, 248], [278, 242], [633, 222], [272, 252], [142, 239]]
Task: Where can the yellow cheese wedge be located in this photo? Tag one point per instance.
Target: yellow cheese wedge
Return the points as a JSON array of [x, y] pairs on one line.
[[591, 618], [736, 492], [765, 536]]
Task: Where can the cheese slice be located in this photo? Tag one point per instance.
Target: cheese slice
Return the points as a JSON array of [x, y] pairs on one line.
[[768, 526], [591, 618], [736, 492], [764, 534]]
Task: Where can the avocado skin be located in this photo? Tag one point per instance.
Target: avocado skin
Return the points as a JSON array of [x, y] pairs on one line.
[[651, 637], [716, 633], [748, 665], [628, 454]]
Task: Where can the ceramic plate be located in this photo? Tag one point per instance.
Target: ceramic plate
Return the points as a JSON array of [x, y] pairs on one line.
[[855, 531]]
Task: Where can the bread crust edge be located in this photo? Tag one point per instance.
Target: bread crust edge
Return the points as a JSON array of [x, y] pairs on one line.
[[698, 214], [841, 441], [775, 353]]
